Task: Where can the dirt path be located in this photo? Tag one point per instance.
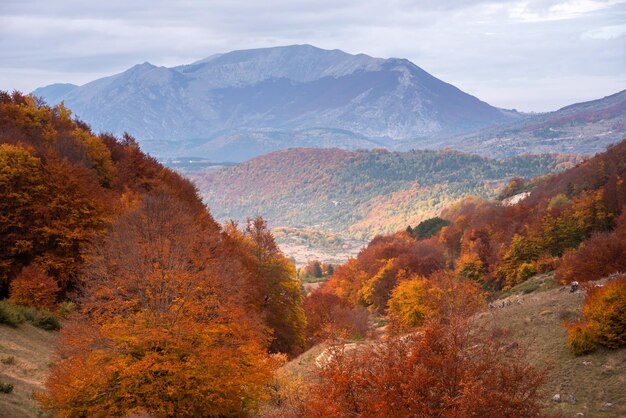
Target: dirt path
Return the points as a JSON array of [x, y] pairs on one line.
[[25, 355]]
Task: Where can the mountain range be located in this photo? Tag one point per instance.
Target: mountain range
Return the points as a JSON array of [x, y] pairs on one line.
[[267, 99], [241, 104]]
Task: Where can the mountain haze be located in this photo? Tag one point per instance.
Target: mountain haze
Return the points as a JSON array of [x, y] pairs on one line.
[[270, 97], [586, 128]]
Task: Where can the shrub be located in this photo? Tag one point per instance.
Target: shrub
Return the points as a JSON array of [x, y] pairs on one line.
[[46, 320], [33, 287], [13, 315], [581, 338], [10, 314], [6, 387], [66, 308], [605, 316], [605, 308]]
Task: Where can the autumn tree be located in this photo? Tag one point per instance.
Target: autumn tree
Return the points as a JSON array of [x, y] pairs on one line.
[[370, 278], [450, 368], [158, 333], [33, 287], [329, 316], [21, 190], [417, 300], [604, 318], [280, 293], [603, 254]]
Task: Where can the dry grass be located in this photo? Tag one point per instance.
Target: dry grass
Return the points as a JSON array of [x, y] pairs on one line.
[[535, 317], [537, 325], [31, 350]]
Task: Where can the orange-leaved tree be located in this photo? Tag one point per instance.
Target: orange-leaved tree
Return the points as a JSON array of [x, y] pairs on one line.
[[418, 299], [449, 368], [33, 287], [604, 319], [158, 334]]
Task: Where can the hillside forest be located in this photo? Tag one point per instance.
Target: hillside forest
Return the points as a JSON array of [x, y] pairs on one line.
[[160, 311], [359, 194]]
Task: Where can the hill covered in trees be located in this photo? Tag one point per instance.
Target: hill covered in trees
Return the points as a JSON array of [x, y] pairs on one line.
[[164, 297], [362, 193], [163, 312]]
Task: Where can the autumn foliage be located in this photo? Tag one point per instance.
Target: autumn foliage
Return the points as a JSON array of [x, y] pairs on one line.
[[176, 315], [602, 254], [33, 287], [448, 369], [604, 318], [330, 317], [369, 279], [417, 300]]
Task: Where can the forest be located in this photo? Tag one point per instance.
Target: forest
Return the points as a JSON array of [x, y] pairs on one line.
[[359, 194], [164, 312]]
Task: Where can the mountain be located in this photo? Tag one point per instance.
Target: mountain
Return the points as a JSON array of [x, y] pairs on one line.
[[273, 98], [358, 194], [579, 128], [54, 93]]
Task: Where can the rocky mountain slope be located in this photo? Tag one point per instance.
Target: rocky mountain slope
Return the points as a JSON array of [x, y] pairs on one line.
[[582, 128], [275, 98]]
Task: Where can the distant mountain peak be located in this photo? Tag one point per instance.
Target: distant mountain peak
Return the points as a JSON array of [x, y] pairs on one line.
[[258, 100]]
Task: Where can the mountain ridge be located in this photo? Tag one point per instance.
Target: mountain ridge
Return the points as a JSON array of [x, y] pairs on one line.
[[358, 194], [287, 88]]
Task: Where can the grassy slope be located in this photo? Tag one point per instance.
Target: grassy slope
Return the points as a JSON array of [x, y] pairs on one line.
[[31, 348], [537, 325]]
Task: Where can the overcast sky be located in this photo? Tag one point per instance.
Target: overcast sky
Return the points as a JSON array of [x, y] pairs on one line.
[[534, 55]]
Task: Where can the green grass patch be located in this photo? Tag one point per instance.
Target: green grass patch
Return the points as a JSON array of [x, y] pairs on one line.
[[538, 283], [14, 315]]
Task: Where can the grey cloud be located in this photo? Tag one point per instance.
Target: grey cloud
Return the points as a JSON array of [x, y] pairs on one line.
[[490, 48]]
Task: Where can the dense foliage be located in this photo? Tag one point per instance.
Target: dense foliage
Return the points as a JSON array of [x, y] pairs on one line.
[[359, 193], [604, 321], [448, 367], [176, 315]]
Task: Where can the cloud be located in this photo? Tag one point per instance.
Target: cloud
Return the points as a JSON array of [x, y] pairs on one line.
[[606, 33], [483, 45]]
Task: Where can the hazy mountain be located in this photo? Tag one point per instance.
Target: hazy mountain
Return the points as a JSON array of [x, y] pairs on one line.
[[266, 99], [53, 93], [579, 128], [358, 194]]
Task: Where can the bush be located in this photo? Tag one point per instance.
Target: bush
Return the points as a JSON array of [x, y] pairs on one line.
[[13, 315], [605, 308], [47, 320], [10, 314], [66, 308], [605, 315], [581, 338], [6, 387], [33, 287]]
